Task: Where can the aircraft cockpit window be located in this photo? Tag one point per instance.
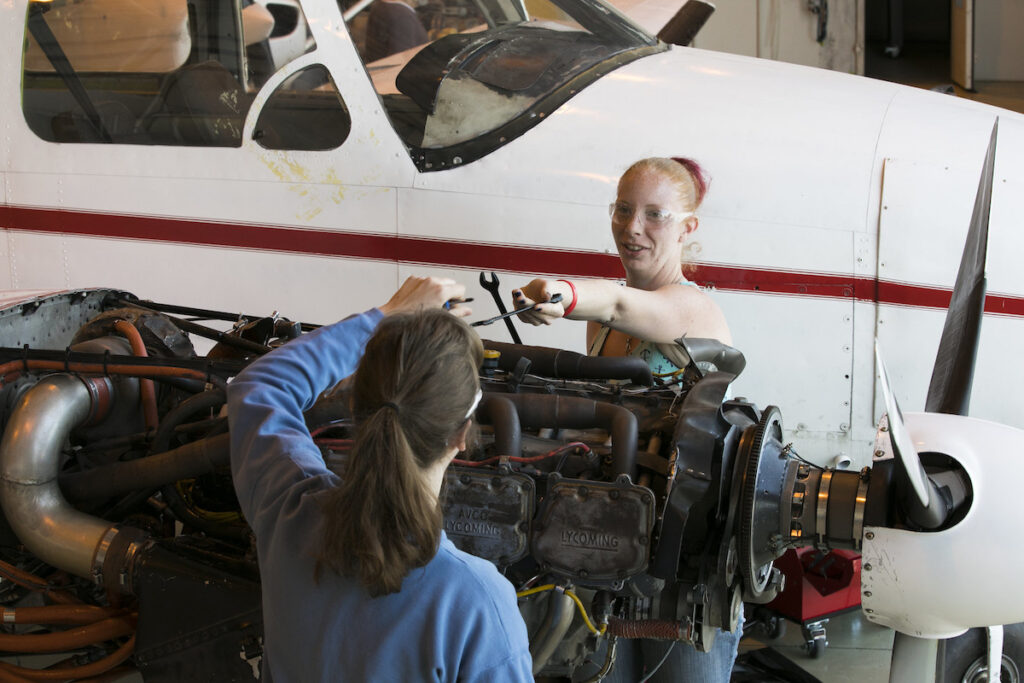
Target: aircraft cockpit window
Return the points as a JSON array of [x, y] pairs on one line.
[[155, 72], [305, 113], [459, 78]]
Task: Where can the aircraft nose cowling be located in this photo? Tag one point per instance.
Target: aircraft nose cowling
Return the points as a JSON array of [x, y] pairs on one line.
[[904, 572]]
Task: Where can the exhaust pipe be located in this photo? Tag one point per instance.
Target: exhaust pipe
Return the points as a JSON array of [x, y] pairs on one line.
[[29, 492]]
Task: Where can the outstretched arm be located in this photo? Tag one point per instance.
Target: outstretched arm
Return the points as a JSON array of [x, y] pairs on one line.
[[661, 315], [272, 452]]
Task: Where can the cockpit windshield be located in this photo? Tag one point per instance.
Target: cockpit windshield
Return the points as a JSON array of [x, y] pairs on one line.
[[459, 78]]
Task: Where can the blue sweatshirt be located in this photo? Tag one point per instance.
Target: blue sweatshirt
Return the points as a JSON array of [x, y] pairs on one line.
[[455, 619]]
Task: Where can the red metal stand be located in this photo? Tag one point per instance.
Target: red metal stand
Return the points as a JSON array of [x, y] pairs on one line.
[[818, 585]]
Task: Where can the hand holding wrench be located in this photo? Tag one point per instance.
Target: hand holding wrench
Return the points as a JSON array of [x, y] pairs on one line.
[[507, 316], [492, 286]]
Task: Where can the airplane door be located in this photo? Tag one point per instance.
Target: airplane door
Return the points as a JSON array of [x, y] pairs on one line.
[[961, 61], [166, 163]]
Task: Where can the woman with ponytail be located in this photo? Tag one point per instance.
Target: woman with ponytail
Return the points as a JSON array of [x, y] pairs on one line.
[[359, 581]]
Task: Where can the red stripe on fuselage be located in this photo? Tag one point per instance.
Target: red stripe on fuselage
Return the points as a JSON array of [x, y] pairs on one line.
[[438, 252]]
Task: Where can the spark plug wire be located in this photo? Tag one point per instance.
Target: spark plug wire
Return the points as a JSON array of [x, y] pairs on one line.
[[579, 604]]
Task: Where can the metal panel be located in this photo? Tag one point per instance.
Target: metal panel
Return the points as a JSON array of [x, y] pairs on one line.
[[308, 288], [924, 220], [809, 382], [506, 220], [1006, 221]]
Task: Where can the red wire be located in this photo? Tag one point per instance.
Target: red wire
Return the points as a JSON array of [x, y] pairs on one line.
[[533, 458]]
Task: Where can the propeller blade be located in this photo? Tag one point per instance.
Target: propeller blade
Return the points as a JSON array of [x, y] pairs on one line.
[[902, 444], [953, 372], [682, 28]]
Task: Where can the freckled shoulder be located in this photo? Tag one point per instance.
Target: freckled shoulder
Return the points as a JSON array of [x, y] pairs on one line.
[[706, 317]]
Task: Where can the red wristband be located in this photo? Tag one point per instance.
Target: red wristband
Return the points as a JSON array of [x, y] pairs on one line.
[[572, 304]]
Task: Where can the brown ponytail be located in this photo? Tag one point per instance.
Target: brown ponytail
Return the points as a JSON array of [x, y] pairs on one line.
[[411, 393]]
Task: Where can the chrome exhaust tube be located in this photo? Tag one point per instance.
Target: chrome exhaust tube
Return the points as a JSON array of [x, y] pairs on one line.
[[29, 464]]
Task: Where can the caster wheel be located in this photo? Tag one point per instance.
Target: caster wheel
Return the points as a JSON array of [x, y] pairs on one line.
[[816, 647], [775, 628]]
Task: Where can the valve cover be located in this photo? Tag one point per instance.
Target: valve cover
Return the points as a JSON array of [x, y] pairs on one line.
[[488, 514], [597, 533]]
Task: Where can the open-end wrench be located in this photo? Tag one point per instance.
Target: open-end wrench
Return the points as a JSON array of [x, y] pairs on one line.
[[508, 316], [492, 286]]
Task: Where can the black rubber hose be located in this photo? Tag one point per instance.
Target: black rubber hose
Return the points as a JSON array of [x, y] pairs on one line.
[[570, 412], [183, 412], [563, 364], [181, 510], [500, 412], [191, 460]]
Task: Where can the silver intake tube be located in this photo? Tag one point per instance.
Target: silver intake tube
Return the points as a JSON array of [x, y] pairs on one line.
[[29, 462]]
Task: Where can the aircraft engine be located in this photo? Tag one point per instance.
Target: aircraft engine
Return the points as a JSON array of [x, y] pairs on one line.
[[618, 504]]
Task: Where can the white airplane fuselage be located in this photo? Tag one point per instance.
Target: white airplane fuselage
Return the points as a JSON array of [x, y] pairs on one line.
[[837, 212]]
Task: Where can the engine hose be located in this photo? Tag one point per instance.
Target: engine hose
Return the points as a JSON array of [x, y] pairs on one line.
[[188, 517], [71, 639], [53, 615], [564, 364], [183, 412], [22, 577], [191, 460], [90, 670], [542, 410], [11, 370], [146, 387], [647, 628], [499, 411], [8, 675], [203, 402], [556, 624]]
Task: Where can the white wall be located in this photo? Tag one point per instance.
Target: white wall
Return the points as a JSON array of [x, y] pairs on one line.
[[998, 40], [785, 30]]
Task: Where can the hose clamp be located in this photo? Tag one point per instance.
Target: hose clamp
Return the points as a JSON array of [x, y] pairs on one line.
[[100, 556]]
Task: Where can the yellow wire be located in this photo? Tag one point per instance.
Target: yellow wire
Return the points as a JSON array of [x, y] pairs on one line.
[[538, 589], [586, 618], [669, 374], [579, 604]]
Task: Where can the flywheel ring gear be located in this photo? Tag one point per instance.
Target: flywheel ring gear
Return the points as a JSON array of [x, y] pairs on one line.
[[756, 574]]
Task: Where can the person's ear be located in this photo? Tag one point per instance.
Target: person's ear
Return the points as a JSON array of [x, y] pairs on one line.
[[690, 224], [462, 435]]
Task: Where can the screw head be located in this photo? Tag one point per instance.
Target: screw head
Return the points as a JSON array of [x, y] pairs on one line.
[[867, 594], [870, 535], [867, 567]]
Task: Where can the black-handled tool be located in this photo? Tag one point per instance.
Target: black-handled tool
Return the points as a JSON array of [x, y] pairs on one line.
[[505, 316], [492, 286]]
